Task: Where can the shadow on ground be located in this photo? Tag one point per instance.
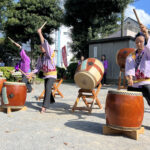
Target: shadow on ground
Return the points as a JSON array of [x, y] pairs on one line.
[[146, 127], [63, 108], [87, 126]]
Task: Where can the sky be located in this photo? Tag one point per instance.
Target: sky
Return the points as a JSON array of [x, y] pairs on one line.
[[142, 8]]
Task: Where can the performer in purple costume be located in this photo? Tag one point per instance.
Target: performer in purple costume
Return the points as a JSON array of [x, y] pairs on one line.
[[46, 63], [24, 65], [137, 67], [105, 64], [81, 60]]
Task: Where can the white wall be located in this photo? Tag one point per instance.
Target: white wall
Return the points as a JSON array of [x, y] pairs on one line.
[[65, 40]]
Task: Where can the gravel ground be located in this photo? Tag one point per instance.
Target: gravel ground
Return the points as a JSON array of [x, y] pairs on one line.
[[60, 129]]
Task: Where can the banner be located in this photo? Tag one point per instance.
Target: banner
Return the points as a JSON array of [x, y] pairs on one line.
[[64, 56]]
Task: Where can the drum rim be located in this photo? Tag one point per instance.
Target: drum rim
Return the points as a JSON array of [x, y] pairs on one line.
[[14, 83], [123, 92]]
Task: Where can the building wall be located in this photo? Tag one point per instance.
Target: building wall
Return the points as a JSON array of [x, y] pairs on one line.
[[110, 47], [130, 28]]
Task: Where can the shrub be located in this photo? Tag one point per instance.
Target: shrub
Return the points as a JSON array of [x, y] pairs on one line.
[[6, 73], [71, 69], [61, 72]]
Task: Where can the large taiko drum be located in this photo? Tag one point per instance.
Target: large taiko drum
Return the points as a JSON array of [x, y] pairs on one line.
[[14, 94], [124, 110], [89, 73], [122, 55], [2, 80]]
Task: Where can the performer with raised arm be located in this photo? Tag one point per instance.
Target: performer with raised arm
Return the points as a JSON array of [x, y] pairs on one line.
[[137, 67], [23, 66], [46, 63]]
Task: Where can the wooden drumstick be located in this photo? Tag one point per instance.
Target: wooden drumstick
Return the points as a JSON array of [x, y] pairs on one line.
[[43, 25], [14, 42], [11, 40], [29, 79], [137, 17]]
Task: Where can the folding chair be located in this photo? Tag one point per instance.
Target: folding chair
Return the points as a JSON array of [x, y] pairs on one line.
[[55, 90], [88, 94]]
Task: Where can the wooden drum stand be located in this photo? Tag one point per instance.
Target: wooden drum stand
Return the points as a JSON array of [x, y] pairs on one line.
[[88, 94]]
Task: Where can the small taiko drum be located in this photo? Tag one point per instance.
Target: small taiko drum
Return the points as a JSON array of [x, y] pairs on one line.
[[1, 73], [17, 73], [124, 110], [122, 55], [2, 80], [89, 73], [14, 94]]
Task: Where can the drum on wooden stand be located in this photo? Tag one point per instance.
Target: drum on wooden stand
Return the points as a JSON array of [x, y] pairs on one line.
[[124, 110], [122, 55], [89, 73], [2, 80], [14, 94]]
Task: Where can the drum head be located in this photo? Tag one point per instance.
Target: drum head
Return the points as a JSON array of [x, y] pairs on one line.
[[124, 92], [14, 83], [84, 80]]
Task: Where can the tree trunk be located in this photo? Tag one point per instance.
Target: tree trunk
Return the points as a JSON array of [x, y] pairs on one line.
[[122, 21]]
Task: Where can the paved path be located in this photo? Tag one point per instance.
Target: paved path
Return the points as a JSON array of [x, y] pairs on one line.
[[60, 129]]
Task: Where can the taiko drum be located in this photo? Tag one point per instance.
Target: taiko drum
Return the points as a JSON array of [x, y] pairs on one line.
[[14, 94], [122, 55], [89, 73], [124, 110], [2, 80]]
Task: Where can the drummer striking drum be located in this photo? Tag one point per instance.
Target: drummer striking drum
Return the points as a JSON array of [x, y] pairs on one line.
[[46, 63], [137, 68], [24, 66]]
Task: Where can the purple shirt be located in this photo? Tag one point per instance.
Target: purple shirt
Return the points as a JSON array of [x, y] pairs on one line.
[[144, 66], [47, 62], [24, 64], [105, 63]]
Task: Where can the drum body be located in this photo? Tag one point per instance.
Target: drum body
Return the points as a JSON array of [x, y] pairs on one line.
[[15, 94], [122, 55], [89, 73], [2, 80], [124, 110]]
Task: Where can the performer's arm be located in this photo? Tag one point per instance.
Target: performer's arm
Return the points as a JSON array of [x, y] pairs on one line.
[[129, 69], [45, 44], [22, 52], [37, 68], [145, 31], [49, 51], [39, 31], [130, 80], [147, 46]]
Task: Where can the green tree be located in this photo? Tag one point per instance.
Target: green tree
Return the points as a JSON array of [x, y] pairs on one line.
[[5, 8], [27, 16], [90, 19]]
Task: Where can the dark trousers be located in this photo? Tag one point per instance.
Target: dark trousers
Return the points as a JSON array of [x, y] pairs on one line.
[[145, 89], [28, 84], [104, 79], [48, 97]]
